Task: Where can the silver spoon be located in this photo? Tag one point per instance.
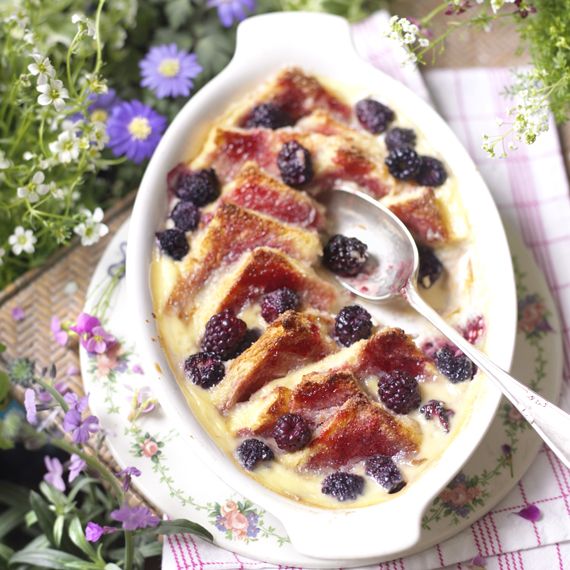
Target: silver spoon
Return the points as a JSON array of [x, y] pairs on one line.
[[355, 214]]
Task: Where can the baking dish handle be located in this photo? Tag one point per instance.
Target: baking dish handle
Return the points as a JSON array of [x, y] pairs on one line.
[[294, 34]]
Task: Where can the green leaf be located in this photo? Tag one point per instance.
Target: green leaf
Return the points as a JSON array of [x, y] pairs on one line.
[[44, 558], [12, 495], [183, 525], [2, 347], [12, 518], [77, 536], [58, 530], [46, 517], [177, 12], [5, 553], [4, 384]]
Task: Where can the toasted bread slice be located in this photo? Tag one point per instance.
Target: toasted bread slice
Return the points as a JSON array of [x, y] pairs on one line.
[[291, 341], [254, 189], [233, 231], [357, 430]]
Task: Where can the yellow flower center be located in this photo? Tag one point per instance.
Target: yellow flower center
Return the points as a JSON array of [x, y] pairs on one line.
[[99, 115], [140, 128], [169, 67]]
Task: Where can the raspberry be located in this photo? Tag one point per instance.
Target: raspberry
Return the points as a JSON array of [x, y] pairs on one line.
[[199, 187], [373, 116], [173, 242], [278, 302], [474, 329], [351, 324], [400, 138], [343, 486], [186, 216], [224, 334], [454, 364], [385, 472], [403, 163], [251, 451], [291, 432], [295, 164], [268, 116], [437, 409], [430, 269], [345, 255], [431, 172], [399, 392], [205, 369]]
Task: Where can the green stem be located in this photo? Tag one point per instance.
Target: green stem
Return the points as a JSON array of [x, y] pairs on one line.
[[129, 550], [94, 464], [438, 9], [99, 59], [70, 82], [53, 393]]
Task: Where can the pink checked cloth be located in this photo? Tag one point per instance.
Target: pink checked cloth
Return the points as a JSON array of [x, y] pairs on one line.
[[531, 189]]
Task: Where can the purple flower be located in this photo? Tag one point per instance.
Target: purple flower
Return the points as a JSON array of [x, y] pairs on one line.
[[168, 71], [102, 105], [478, 562], [76, 466], [137, 369], [94, 531], [54, 473], [531, 513], [75, 402], [59, 334], [30, 405], [85, 324], [133, 518], [73, 423], [134, 130], [18, 314], [126, 475], [98, 341], [230, 11]]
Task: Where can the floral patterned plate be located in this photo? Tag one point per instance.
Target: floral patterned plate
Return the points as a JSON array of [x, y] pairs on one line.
[[140, 434]]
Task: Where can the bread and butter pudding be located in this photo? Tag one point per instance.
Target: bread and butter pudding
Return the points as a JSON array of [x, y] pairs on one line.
[[325, 400]]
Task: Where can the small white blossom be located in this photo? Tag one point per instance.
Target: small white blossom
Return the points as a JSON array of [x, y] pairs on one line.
[[42, 68], [53, 93], [407, 35], [496, 5], [94, 83], [4, 162], [2, 254], [57, 193], [85, 25], [28, 155], [91, 229], [34, 189], [97, 134], [22, 240], [66, 147]]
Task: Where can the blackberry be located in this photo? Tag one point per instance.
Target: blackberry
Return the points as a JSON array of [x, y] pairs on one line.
[[399, 392], [268, 116], [251, 451], [295, 164], [403, 163], [277, 302], [351, 324], [205, 369], [430, 269], [431, 172], [185, 216], [373, 116], [385, 472], [291, 432], [343, 486], [345, 255], [437, 409], [224, 334], [454, 364], [400, 138], [199, 187], [250, 337], [173, 242]]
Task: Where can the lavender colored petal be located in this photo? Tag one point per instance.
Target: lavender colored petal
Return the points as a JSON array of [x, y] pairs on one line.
[[531, 513], [30, 405]]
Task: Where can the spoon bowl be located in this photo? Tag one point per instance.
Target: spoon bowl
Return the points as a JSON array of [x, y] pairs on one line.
[[392, 271]]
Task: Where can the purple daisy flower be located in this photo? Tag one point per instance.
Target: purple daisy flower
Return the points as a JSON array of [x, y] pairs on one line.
[[134, 518], [102, 104], [76, 466], [168, 71], [134, 130], [232, 11], [54, 473]]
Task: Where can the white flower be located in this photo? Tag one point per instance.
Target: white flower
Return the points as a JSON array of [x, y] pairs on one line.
[[91, 229], [66, 147], [57, 193], [34, 189], [97, 134], [28, 155], [85, 25], [22, 240], [4, 162], [498, 4], [54, 93], [407, 35], [2, 254], [29, 37], [42, 68]]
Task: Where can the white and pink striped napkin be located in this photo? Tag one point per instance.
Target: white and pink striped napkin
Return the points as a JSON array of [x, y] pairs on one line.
[[531, 189]]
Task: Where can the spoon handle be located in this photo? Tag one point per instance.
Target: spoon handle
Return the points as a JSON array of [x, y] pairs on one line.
[[549, 421]]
